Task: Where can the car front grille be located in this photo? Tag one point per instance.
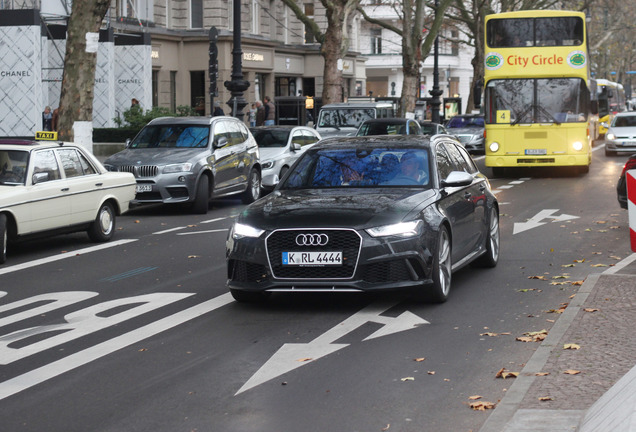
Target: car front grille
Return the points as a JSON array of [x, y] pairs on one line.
[[344, 240], [141, 170]]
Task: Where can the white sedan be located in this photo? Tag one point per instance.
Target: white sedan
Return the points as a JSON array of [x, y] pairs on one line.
[[50, 188]]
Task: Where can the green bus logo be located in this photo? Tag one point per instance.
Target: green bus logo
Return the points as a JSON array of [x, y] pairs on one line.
[[577, 59], [493, 61]]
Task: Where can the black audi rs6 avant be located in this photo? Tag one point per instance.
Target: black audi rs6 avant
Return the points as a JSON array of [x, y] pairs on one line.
[[367, 214]]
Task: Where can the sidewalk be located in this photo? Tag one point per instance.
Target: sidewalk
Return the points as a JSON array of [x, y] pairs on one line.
[[602, 397]]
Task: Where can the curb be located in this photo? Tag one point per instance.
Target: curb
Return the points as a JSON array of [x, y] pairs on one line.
[[555, 420]]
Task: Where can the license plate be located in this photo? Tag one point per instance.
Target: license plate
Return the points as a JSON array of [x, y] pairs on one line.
[[143, 188], [312, 258], [536, 151]]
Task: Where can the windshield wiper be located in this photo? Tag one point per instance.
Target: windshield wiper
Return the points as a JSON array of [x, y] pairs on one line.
[[522, 115]]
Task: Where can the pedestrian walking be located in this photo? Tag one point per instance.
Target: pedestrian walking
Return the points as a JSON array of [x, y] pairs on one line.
[[253, 115], [218, 111], [47, 119], [270, 112], [260, 113]]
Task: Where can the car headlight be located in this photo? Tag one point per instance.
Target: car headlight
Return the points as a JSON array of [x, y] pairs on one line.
[[577, 145], [610, 136], [267, 164], [176, 168], [494, 147], [240, 230], [402, 229]]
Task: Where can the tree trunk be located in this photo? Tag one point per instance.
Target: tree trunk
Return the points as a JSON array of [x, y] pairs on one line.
[[332, 51], [76, 99]]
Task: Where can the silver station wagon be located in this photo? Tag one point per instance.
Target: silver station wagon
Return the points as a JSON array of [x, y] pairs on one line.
[[191, 160]]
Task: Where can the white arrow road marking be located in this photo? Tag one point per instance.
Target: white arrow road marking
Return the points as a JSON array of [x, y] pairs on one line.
[[292, 356], [535, 221]]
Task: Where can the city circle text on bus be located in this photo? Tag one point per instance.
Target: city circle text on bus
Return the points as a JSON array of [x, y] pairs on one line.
[[537, 60]]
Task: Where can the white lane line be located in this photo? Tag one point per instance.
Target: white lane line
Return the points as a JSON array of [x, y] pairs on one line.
[[213, 220], [44, 373], [508, 186], [203, 232], [64, 255], [169, 230]]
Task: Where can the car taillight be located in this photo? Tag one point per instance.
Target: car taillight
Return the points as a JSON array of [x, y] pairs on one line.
[[629, 165]]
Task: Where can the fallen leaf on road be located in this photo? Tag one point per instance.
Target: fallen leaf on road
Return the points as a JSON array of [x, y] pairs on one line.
[[598, 265], [533, 336], [137, 221], [193, 256], [542, 373], [545, 398], [590, 310], [577, 283], [431, 372], [408, 379], [387, 427], [537, 277], [475, 397], [420, 359], [579, 261], [482, 406], [568, 265], [571, 346], [572, 372], [558, 283], [505, 374], [560, 277], [306, 359]]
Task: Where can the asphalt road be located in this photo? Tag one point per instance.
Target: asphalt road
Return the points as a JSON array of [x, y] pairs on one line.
[[140, 334]]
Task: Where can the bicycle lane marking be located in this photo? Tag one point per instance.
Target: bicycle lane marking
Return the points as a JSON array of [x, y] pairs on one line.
[[73, 361]]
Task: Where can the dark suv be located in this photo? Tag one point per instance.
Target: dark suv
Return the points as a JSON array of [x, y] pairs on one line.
[[191, 160]]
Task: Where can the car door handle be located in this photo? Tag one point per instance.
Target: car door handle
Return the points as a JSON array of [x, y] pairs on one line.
[[482, 188], [99, 184], [467, 195], [65, 189]]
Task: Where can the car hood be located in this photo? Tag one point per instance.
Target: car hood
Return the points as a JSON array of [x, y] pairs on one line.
[[623, 131], [271, 152], [362, 208], [465, 131], [153, 156]]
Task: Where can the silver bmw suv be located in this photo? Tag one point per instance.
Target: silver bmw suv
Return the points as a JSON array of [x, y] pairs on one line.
[[191, 160]]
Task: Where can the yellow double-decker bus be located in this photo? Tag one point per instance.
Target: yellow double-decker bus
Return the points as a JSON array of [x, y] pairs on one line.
[[536, 97]]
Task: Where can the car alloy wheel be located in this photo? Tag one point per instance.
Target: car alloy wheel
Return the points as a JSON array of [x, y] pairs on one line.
[[4, 238], [253, 191], [490, 258], [442, 267]]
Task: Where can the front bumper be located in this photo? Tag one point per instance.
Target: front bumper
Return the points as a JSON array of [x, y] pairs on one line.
[[373, 264], [167, 188], [621, 146]]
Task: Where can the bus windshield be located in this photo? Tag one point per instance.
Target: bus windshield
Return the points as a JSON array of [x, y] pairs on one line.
[[537, 100], [528, 32]]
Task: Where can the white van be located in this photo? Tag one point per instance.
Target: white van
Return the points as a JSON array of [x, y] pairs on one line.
[[343, 119]]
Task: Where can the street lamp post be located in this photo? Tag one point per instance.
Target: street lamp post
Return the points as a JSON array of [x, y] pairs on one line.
[[435, 92], [237, 85]]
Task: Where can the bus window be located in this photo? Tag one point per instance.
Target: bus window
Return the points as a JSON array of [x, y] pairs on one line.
[[525, 32]]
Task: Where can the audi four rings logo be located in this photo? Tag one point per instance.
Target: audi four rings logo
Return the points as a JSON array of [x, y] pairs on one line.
[[312, 239]]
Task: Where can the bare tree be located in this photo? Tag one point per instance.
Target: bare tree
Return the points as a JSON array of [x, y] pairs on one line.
[[415, 46], [334, 41], [76, 100]]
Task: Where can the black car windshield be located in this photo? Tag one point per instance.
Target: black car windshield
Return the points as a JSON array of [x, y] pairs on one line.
[[168, 136], [354, 168], [465, 122], [271, 137], [13, 165]]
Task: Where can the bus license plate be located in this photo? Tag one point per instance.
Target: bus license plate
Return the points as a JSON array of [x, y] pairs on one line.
[[312, 258], [536, 151], [143, 188]]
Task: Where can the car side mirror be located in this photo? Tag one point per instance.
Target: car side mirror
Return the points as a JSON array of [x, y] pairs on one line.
[[295, 147], [40, 177], [220, 142], [128, 141], [457, 179]]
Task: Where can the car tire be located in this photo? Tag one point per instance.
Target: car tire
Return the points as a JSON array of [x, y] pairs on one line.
[[491, 257], [202, 196], [4, 238], [253, 191], [442, 273], [103, 227], [248, 296]]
